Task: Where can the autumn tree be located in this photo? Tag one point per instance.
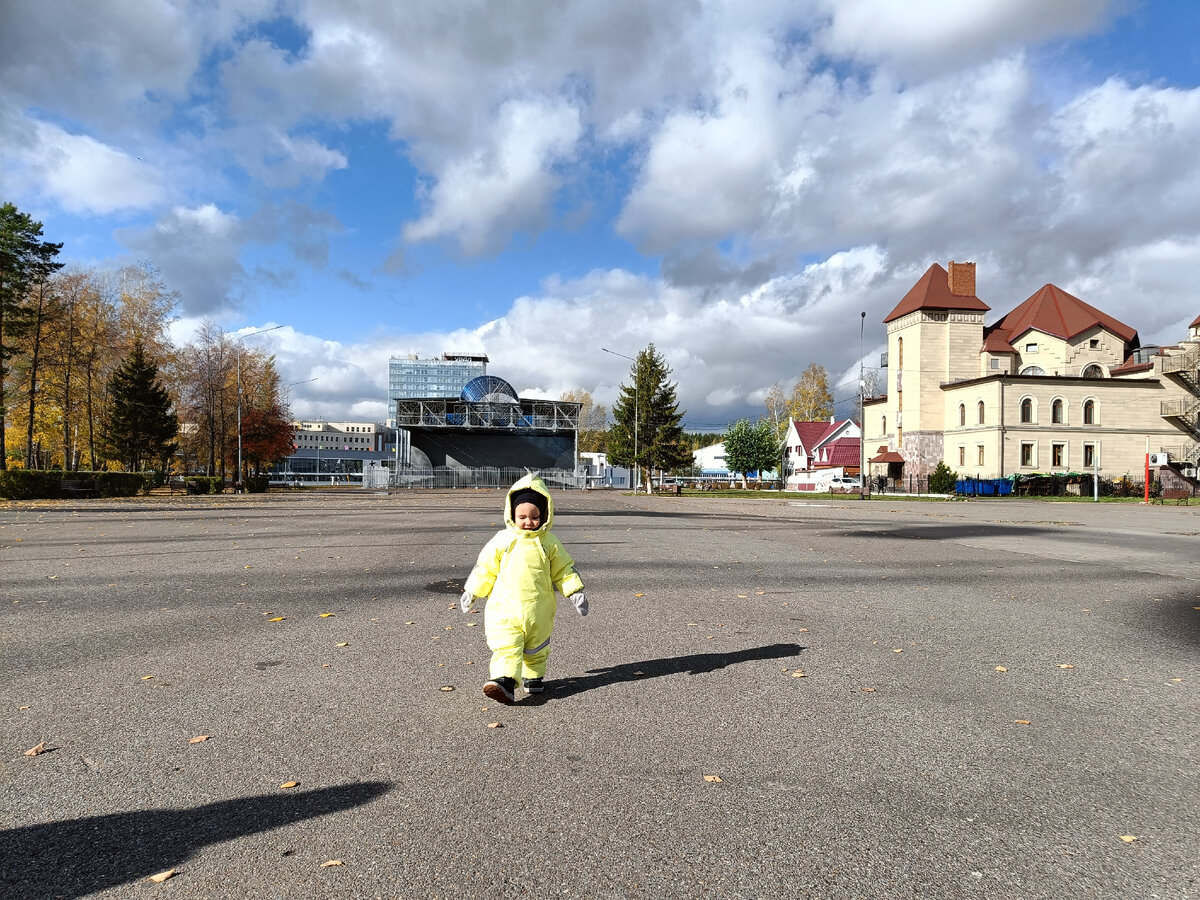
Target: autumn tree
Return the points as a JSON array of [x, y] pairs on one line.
[[593, 421], [267, 431], [647, 429], [26, 261], [811, 400], [750, 447], [141, 426], [208, 380]]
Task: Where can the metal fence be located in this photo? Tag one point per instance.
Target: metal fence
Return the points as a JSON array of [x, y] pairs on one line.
[[415, 477]]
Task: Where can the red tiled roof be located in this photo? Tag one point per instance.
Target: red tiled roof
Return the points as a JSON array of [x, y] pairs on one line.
[[1130, 366], [890, 456], [932, 291], [812, 433], [845, 451], [995, 340], [1053, 311], [1195, 323]]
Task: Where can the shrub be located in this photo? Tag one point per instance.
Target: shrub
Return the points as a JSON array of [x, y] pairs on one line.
[[257, 484], [942, 480], [121, 484], [28, 484]]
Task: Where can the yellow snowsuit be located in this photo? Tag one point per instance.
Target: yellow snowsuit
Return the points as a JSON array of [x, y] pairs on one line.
[[518, 571]]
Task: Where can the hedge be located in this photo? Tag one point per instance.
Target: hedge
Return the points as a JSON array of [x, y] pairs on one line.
[[36, 484]]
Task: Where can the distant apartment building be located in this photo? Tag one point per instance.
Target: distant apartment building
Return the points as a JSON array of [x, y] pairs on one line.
[[444, 376]]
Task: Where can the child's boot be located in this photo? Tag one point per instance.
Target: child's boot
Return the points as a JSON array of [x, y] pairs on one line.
[[502, 690], [535, 685]]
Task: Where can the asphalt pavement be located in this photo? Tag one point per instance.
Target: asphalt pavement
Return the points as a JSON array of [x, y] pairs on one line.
[[276, 696]]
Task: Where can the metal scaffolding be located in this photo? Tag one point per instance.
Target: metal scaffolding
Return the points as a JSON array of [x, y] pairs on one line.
[[523, 415]]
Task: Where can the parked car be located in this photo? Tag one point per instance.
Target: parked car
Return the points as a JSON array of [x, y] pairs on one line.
[[844, 484]]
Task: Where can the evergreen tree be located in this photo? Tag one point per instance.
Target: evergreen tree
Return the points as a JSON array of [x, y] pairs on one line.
[[751, 448], [647, 429], [141, 425], [25, 261]]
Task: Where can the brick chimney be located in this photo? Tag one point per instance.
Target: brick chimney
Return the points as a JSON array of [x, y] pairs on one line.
[[962, 279]]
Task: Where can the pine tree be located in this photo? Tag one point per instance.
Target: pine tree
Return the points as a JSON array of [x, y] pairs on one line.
[[141, 425], [25, 261], [648, 426]]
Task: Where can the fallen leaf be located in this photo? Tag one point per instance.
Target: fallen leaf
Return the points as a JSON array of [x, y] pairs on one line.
[[804, 631], [1001, 669], [324, 665], [147, 677], [1176, 680], [277, 619], [637, 595], [38, 750], [1020, 721], [1129, 838], [472, 624], [799, 674], [331, 862], [163, 876], [328, 615], [446, 687], [898, 650], [713, 779], [248, 567], [289, 784], [693, 624], [1065, 666], [868, 690], [200, 739], [495, 724], [344, 644], [26, 707], [742, 597]]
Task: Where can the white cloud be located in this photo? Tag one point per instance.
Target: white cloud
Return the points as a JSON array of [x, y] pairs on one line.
[[481, 199]]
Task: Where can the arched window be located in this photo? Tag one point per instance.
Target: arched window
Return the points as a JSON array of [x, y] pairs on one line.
[[1056, 412], [962, 414], [1026, 411], [980, 412], [1089, 412], [1093, 371], [883, 425], [899, 353], [1033, 370]]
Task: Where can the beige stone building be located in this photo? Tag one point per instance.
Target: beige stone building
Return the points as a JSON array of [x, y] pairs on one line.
[[1055, 386]]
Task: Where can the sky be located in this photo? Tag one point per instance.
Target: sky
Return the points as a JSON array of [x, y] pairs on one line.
[[734, 182]]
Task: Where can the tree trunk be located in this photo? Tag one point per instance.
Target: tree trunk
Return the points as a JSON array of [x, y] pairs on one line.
[[35, 359]]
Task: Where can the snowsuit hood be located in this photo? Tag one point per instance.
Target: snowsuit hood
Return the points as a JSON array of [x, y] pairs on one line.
[[534, 483]]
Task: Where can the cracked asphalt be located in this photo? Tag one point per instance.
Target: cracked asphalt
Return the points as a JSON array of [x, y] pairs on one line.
[[772, 697]]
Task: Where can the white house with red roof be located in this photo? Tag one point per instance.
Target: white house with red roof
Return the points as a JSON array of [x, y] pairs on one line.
[[818, 451], [1053, 386]]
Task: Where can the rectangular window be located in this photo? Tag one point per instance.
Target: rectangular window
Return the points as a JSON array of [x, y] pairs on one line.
[[1031, 348], [1089, 455], [979, 455], [962, 456], [1094, 344], [1058, 454], [995, 363], [1027, 455]]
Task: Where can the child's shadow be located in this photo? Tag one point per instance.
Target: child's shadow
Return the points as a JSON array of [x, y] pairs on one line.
[[694, 664]]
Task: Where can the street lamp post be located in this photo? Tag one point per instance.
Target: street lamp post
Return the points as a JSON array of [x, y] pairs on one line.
[[637, 469], [238, 483], [862, 422]]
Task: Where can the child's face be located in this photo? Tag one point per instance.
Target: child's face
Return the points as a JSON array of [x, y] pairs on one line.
[[528, 516]]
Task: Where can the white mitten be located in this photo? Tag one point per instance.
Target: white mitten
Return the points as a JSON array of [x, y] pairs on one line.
[[466, 601], [580, 601]]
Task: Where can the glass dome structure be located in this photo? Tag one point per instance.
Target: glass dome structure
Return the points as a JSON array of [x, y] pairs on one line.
[[488, 389]]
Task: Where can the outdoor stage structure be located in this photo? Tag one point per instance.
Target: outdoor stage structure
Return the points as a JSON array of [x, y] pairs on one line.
[[488, 426]]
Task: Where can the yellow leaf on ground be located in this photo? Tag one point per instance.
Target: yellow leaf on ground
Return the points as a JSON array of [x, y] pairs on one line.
[[1065, 666], [147, 677], [331, 862], [247, 567], [200, 739], [328, 615], [495, 724], [1129, 838], [868, 690], [289, 784], [344, 644], [472, 624], [1001, 669], [410, 623], [637, 595], [277, 619], [804, 631], [1020, 721], [799, 674], [742, 597], [446, 687], [898, 650], [713, 779], [163, 876], [37, 750]]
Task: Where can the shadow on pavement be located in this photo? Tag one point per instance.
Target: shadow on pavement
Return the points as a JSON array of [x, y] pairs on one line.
[[694, 664], [77, 857]]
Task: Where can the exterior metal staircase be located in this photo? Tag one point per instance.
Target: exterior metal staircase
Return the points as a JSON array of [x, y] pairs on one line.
[[1184, 414]]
